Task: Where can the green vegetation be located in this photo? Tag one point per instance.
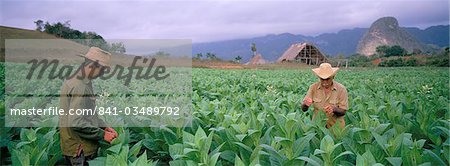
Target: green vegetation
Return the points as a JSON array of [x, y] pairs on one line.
[[211, 56], [441, 59], [398, 62], [208, 55], [198, 56], [161, 54], [253, 49], [397, 116], [238, 59], [387, 51], [63, 30], [396, 56]]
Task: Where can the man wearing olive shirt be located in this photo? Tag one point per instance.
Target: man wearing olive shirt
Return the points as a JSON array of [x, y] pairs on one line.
[[80, 134]]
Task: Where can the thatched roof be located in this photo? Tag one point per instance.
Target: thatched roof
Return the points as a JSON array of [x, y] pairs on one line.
[[303, 52], [257, 60]]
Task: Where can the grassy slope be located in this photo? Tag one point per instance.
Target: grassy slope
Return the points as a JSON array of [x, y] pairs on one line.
[[71, 48], [17, 33]]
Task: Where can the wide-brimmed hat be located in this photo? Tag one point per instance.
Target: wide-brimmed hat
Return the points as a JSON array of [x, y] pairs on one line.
[[98, 55], [325, 71]]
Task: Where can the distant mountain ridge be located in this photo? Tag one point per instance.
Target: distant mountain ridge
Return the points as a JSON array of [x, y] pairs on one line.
[[332, 44], [437, 35]]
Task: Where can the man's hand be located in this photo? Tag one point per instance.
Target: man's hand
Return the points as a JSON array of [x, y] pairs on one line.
[[109, 129], [307, 101], [109, 136], [329, 110]]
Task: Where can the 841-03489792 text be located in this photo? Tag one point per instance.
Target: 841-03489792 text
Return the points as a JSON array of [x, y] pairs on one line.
[[143, 111]]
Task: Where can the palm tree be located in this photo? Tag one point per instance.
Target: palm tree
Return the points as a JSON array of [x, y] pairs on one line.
[[238, 59], [199, 56], [210, 56], [254, 49]]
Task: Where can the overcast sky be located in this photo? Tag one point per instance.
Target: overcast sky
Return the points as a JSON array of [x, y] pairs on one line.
[[215, 20]]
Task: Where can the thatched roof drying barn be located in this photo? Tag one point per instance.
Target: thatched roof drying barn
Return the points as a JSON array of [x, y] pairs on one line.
[[257, 60], [304, 53]]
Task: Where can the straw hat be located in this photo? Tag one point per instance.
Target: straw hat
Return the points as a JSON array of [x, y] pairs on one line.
[[98, 55], [325, 71]]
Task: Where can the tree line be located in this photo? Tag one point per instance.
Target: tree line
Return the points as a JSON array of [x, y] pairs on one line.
[[396, 56], [212, 56], [91, 39]]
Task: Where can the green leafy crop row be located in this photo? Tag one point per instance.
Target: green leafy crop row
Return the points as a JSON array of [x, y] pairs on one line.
[[253, 117]]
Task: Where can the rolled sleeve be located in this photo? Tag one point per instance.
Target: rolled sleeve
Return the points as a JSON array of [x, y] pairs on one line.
[[343, 99], [86, 126], [310, 92]]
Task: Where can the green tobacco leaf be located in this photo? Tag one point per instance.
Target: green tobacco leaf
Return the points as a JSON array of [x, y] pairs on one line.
[[302, 143], [241, 137], [188, 137], [318, 151], [381, 141], [116, 141], [169, 136], [342, 154], [176, 151], [265, 139], [217, 150], [253, 132], [50, 135], [254, 157], [382, 127], [228, 155], [327, 144], [309, 160], [359, 160], [124, 137], [244, 146], [199, 135], [213, 160], [273, 153], [115, 149], [142, 160], [135, 149], [435, 159], [208, 142], [186, 151], [20, 144], [445, 130], [238, 161], [27, 135], [395, 161], [123, 155], [19, 158], [37, 159], [99, 161], [366, 159], [280, 139], [115, 160], [178, 163], [164, 128]]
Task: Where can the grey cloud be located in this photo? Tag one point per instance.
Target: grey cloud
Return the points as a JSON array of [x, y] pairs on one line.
[[220, 20]]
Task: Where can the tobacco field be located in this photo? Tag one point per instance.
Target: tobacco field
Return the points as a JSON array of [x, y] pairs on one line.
[[396, 116]]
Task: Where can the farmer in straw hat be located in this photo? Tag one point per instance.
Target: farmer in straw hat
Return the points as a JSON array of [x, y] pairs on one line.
[[327, 95], [80, 133]]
